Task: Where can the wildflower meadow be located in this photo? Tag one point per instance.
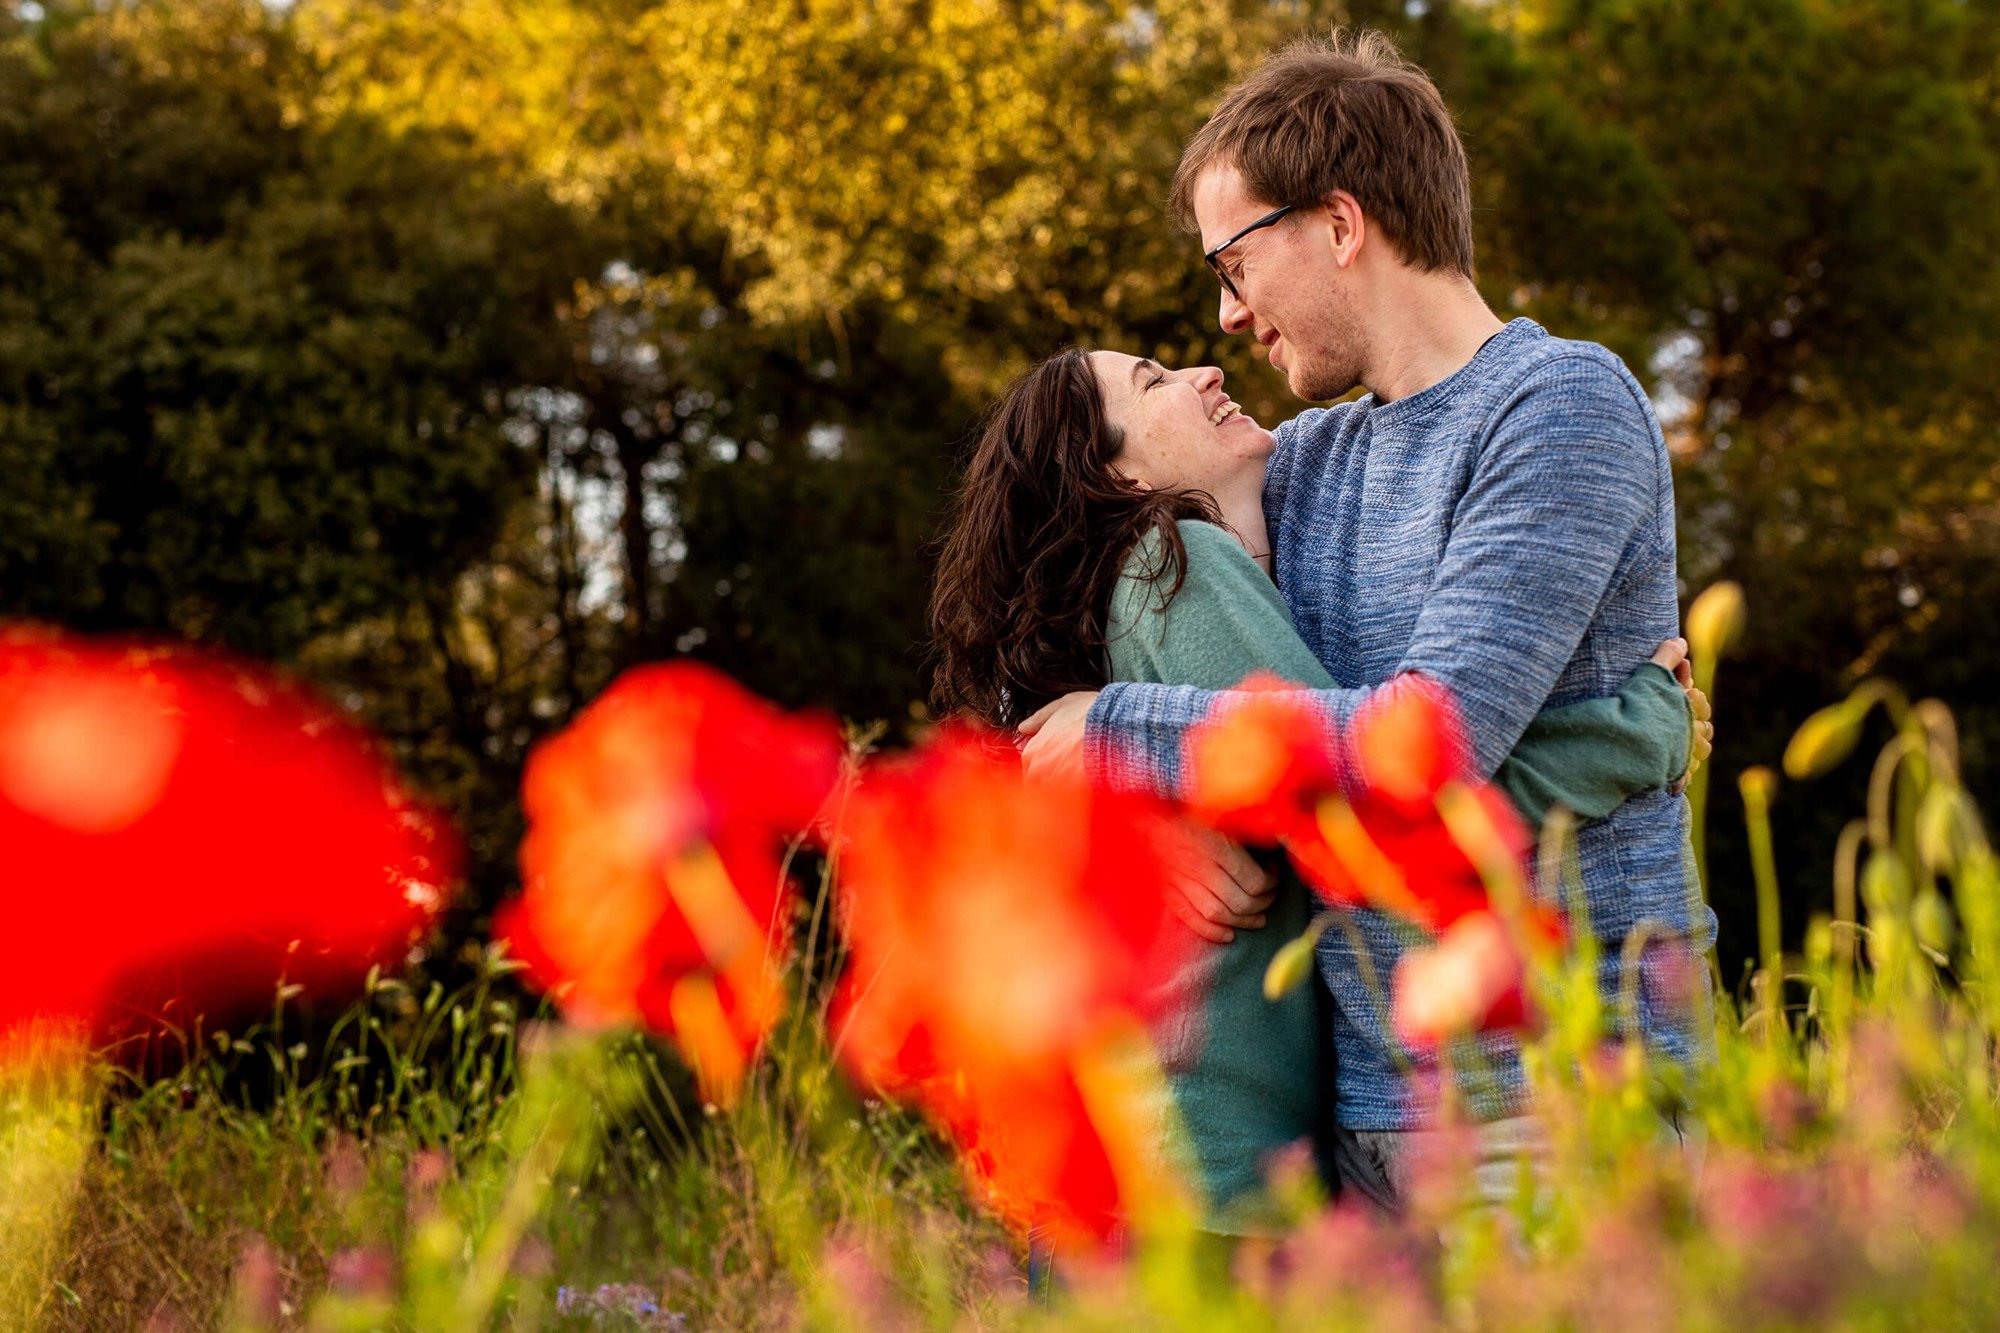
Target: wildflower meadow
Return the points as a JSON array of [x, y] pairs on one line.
[[784, 1032]]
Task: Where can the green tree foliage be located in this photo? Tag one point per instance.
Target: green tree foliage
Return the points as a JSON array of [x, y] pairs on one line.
[[266, 354], [465, 351], [1784, 211], [256, 359], [989, 173]]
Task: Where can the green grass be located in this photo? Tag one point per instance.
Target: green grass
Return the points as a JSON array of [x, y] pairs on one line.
[[399, 1140]]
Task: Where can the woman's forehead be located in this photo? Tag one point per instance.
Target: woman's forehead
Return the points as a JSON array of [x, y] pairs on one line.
[[1119, 367]]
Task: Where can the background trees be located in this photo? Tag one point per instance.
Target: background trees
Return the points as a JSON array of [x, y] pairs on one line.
[[462, 352], [1784, 212]]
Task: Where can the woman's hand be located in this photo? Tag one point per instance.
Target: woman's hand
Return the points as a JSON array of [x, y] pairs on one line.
[[1673, 655]]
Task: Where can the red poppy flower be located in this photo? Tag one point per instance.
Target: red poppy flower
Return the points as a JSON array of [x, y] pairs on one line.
[[650, 873], [1410, 831], [179, 830], [1258, 768], [1007, 941], [1408, 741], [1473, 979]]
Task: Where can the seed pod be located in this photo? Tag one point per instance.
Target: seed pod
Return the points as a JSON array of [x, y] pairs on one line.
[[1885, 886], [1931, 920], [1290, 966], [1758, 786], [1715, 619], [1886, 937], [1824, 739], [1937, 827]]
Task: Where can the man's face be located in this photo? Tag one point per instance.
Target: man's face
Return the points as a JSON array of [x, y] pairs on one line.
[[1291, 293]]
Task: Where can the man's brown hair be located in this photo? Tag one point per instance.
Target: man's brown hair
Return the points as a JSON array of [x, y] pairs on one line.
[[1345, 112]]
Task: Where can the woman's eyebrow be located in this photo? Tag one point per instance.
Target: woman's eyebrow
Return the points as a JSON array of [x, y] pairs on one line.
[[1142, 363]]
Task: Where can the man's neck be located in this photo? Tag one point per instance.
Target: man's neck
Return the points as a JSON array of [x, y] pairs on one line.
[[1424, 329]]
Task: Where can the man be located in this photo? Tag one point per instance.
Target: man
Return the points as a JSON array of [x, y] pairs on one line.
[[1496, 513]]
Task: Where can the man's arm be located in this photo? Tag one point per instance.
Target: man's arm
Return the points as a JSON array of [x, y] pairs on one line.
[[1568, 481], [1557, 495]]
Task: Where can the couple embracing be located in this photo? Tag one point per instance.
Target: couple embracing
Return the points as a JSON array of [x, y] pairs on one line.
[[1495, 513]]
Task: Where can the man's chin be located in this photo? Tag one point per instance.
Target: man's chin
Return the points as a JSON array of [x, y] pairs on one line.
[[1306, 385], [1315, 386]]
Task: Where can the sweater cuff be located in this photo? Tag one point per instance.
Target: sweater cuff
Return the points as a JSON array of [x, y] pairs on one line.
[[1099, 753], [1662, 680], [1133, 734], [1114, 758]]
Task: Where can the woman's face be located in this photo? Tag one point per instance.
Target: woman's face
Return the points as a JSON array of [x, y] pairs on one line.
[[1181, 431]]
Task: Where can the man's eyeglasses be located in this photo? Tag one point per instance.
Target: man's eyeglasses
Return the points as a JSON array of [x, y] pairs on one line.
[[1213, 256]]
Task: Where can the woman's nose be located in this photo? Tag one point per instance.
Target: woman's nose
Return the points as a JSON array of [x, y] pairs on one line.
[[1205, 378]]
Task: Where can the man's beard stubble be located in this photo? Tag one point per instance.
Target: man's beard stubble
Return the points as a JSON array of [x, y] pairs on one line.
[[1327, 350]]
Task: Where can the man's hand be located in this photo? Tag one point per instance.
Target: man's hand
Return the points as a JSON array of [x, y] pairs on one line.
[[1054, 737], [1221, 888], [1673, 655]]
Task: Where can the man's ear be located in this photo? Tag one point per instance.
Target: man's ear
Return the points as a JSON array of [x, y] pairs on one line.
[[1347, 227]]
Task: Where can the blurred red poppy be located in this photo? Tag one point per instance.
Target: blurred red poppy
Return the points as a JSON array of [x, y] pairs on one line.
[[651, 883], [1008, 941], [182, 832], [1408, 742], [1472, 980], [1406, 827], [1259, 768]]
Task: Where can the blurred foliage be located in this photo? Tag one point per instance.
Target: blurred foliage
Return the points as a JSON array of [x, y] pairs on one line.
[[255, 390], [462, 352]]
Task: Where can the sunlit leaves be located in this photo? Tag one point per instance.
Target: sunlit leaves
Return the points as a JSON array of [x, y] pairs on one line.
[[995, 168]]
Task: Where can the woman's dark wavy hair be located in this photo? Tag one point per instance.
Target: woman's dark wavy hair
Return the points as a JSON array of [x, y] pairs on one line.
[[1042, 529]]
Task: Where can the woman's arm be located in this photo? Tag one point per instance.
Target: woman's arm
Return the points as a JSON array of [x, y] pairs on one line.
[[1591, 756], [1226, 621]]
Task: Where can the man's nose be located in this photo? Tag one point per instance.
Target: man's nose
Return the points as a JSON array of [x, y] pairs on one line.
[[1234, 316]]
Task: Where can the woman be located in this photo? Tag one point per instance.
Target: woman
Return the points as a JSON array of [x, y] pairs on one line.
[[1111, 527]]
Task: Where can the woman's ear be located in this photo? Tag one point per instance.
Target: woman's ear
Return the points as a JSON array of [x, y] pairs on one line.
[[1127, 477]]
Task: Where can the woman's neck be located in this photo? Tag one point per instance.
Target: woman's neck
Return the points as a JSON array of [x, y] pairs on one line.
[[1242, 506]]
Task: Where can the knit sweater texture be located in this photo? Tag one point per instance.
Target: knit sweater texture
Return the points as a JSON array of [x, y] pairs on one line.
[[1509, 533]]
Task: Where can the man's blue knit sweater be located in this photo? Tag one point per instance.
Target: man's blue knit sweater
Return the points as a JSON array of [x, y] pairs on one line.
[[1508, 532]]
